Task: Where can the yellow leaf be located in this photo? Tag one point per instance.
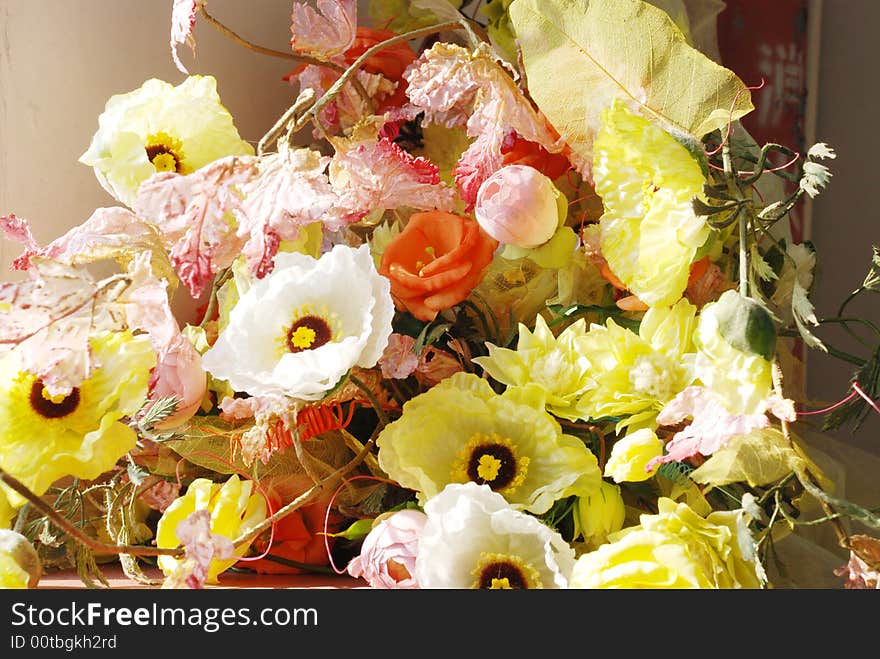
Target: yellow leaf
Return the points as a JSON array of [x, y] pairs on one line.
[[580, 55], [759, 458]]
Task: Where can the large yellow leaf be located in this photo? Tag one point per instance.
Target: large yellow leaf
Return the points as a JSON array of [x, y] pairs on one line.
[[580, 55], [759, 458]]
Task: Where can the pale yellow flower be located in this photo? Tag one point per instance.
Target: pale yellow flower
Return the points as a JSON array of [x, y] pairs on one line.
[[553, 363], [631, 455], [160, 127], [20, 565], [80, 434], [676, 548]]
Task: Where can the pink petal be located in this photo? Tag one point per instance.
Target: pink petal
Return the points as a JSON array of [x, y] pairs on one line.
[[711, 428], [329, 31], [183, 19]]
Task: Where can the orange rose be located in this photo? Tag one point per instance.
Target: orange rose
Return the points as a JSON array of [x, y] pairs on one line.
[[435, 262]]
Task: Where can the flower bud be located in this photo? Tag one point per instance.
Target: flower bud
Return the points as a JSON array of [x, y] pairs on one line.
[[388, 553], [600, 514], [630, 456], [20, 565], [179, 373], [518, 205]]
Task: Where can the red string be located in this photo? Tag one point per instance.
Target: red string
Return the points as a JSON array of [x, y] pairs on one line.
[[330, 506], [730, 118], [868, 400], [832, 407], [259, 487]]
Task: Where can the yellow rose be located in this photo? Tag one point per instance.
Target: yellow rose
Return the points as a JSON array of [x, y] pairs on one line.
[[676, 548], [631, 455]]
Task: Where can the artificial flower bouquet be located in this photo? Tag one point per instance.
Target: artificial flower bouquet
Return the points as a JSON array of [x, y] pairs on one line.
[[504, 300]]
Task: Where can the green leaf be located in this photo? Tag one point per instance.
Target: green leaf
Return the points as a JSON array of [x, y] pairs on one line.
[[802, 310], [356, 531], [872, 281], [620, 49]]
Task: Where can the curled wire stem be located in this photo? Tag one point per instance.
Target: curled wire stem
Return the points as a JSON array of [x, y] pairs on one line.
[[241, 41], [303, 499]]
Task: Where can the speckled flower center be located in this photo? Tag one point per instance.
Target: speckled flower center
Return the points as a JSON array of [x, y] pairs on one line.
[[51, 408], [165, 153], [504, 572], [491, 460]]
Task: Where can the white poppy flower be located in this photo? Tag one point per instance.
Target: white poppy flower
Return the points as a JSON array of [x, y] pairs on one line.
[[474, 539], [298, 331]]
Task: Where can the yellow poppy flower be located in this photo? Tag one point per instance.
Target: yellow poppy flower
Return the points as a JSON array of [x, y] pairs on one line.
[[43, 439]]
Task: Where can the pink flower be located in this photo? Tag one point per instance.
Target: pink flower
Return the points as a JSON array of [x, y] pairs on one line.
[[518, 205], [388, 553], [399, 361], [179, 373]]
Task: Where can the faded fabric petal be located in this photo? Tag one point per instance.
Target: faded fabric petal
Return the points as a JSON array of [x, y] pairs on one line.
[[192, 210], [290, 191], [183, 20], [712, 425], [399, 359], [372, 176], [454, 86], [201, 547], [329, 31], [18, 230], [299, 330], [858, 573]]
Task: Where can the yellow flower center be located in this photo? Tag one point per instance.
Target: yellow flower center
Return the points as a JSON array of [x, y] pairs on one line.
[[504, 571], [303, 337], [165, 153], [488, 467], [309, 330], [491, 460]]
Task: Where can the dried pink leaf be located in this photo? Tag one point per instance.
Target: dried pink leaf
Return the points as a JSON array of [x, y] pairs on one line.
[[454, 86], [160, 494], [329, 31], [862, 574], [274, 416], [18, 230], [372, 176], [711, 428], [50, 316], [183, 19], [193, 213], [291, 191], [109, 233]]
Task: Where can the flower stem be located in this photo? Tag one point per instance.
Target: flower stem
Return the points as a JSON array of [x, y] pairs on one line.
[[377, 407], [241, 41], [79, 534]]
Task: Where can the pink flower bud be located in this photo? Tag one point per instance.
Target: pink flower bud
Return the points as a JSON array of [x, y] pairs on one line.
[[388, 553], [518, 205], [179, 373]]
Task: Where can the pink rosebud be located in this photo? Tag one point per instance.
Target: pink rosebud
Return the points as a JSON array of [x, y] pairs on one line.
[[388, 553], [518, 205], [179, 373]]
